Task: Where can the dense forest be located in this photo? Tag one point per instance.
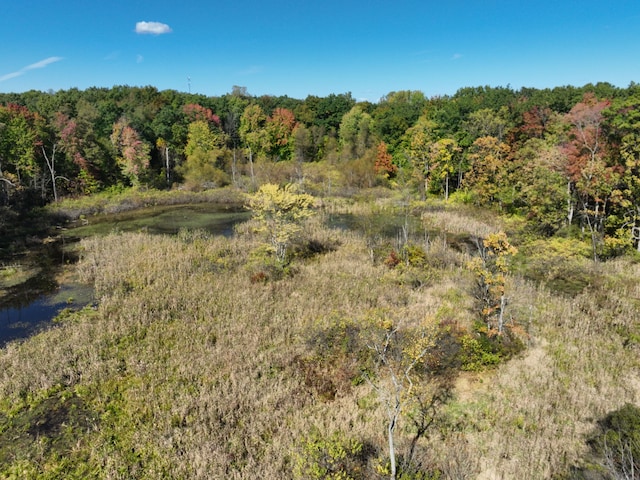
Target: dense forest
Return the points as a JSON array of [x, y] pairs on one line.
[[419, 289], [561, 157]]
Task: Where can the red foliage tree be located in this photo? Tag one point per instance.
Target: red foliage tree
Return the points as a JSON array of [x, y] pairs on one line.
[[592, 180], [280, 126], [195, 113], [384, 162], [133, 152], [534, 122]]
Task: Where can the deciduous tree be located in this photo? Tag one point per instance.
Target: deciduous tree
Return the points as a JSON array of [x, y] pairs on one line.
[[591, 178], [419, 139], [488, 157], [384, 162], [132, 152], [624, 123], [205, 155], [401, 381], [19, 145], [279, 211], [443, 155], [279, 126], [253, 133], [491, 267], [355, 135]]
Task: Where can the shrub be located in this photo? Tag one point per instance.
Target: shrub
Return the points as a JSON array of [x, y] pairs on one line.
[[484, 349], [618, 443], [560, 264], [337, 457]]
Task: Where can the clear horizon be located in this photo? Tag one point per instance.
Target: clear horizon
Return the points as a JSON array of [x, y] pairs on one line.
[[298, 49]]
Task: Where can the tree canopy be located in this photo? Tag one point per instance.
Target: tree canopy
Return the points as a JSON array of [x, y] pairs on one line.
[[572, 151]]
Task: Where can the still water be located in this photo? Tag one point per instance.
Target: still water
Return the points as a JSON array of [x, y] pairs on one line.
[[32, 304]]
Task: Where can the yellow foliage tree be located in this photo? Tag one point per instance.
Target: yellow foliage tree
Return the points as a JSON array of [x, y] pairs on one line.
[[280, 212], [491, 267]]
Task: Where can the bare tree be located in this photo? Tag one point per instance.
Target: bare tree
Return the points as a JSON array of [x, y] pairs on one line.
[[51, 165], [619, 458], [395, 384]]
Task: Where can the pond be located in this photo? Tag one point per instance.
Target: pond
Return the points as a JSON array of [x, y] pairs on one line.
[[38, 284], [169, 220]]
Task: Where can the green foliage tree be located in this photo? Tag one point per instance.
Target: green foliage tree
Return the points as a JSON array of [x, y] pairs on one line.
[[355, 135], [539, 188], [395, 113], [487, 123], [327, 112], [20, 133], [623, 118], [206, 155], [252, 132], [488, 157], [444, 155], [280, 211], [419, 139]]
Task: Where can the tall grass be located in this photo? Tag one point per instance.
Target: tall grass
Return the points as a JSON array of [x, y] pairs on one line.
[[190, 368]]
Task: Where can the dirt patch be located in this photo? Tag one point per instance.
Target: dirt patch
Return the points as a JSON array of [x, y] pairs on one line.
[[468, 385]]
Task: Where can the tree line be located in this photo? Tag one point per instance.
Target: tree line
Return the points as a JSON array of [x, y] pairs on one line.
[[566, 158]]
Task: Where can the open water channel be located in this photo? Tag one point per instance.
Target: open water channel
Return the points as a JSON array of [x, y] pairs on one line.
[[38, 285]]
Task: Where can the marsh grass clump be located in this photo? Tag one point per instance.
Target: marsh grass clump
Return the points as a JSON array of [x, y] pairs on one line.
[[199, 362]]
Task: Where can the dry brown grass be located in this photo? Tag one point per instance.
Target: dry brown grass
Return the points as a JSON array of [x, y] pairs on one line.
[[196, 371], [539, 408]]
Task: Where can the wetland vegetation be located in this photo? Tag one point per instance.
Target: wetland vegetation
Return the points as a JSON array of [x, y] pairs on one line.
[[422, 288]]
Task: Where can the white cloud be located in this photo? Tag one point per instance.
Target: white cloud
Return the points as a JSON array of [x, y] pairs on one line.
[[153, 28], [456, 56], [33, 66], [9, 76], [42, 63], [112, 56]]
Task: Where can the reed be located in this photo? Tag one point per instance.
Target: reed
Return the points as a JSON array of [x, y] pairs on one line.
[[190, 368]]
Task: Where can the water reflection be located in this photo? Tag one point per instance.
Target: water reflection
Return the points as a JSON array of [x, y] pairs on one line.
[[167, 220], [31, 304], [22, 321]]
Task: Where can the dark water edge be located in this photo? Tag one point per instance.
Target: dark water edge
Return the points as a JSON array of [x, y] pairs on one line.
[[30, 304], [164, 220], [23, 321]]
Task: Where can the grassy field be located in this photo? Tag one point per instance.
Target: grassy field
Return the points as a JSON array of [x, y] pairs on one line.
[[204, 359]]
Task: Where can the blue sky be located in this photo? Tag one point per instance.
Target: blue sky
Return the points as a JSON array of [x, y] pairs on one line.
[[300, 47]]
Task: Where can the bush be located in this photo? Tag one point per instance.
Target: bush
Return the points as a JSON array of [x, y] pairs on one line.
[[280, 212], [560, 264], [337, 457], [485, 349], [618, 443]]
